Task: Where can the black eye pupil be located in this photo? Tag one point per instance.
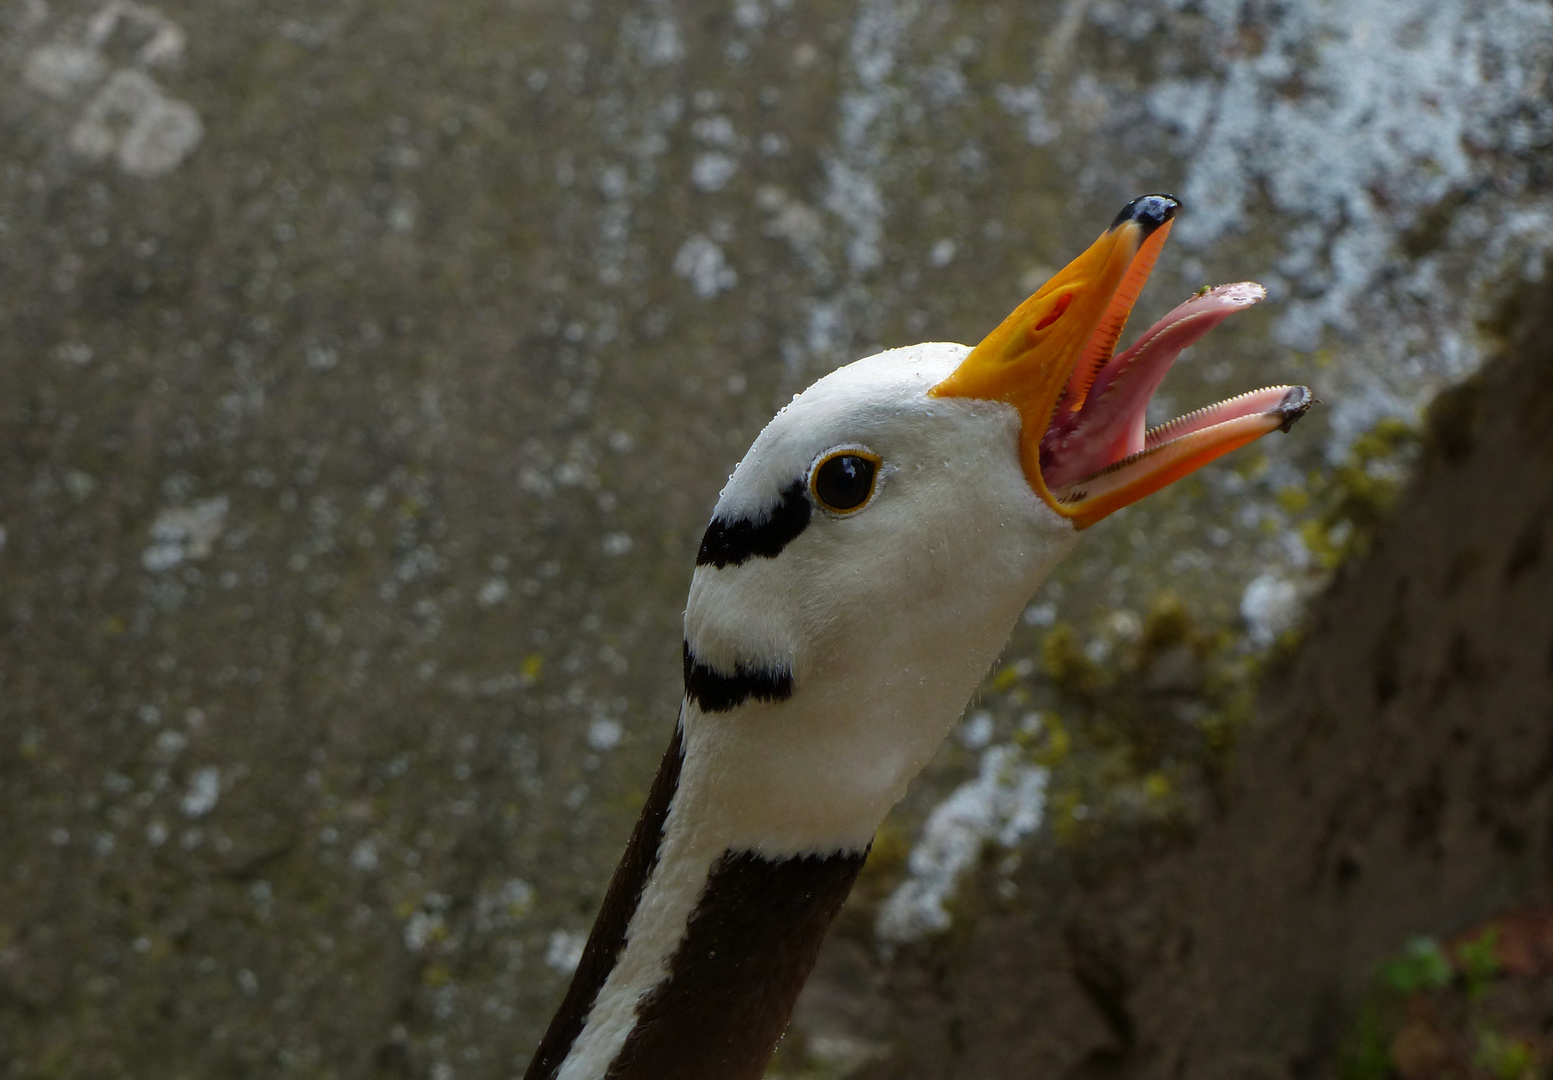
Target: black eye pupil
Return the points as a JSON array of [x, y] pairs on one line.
[[845, 481]]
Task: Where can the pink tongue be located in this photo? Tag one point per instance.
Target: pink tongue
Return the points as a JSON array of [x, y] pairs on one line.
[[1110, 425]]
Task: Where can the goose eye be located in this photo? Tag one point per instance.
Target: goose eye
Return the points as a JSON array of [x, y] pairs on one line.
[[844, 481]]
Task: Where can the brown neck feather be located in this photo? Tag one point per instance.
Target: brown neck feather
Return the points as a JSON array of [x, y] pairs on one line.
[[608, 936], [748, 948]]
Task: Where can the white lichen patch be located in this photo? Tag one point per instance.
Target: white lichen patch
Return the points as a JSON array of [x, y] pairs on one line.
[[715, 131], [499, 908], [129, 119], [1270, 605], [421, 928], [605, 734], [1028, 104], [61, 70], [203, 792], [162, 40], [493, 591], [181, 533], [942, 253], [563, 952], [712, 171], [870, 112], [146, 132], [1001, 806], [701, 262], [364, 856], [976, 730], [654, 36], [796, 222]]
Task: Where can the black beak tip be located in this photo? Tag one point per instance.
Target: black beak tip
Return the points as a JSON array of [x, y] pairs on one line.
[[1148, 211], [1295, 404]]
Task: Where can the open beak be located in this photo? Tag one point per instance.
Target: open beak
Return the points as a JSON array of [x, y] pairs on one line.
[[1083, 443]]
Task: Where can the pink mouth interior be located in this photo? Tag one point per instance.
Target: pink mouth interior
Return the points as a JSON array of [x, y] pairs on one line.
[[1099, 420]]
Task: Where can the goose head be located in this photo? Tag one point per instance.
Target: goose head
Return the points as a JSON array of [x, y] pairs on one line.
[[868, 557]]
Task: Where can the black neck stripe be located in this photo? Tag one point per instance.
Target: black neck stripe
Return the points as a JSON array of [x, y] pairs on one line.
[[715, 692], [748, 948], [729, 543], [608, 937]]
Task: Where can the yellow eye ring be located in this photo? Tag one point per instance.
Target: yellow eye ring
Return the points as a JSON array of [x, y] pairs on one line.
[[843, 480]]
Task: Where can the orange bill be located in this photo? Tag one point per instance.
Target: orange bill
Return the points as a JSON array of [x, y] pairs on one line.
[[1083, 442]]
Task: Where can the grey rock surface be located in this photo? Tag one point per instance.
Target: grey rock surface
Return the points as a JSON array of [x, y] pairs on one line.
[[367, 372]]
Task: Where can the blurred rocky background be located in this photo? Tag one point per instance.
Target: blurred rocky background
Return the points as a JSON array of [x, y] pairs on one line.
[[367, 373]]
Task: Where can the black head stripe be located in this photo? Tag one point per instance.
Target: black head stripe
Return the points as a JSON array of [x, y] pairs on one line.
[[715, 692], [729, 543]]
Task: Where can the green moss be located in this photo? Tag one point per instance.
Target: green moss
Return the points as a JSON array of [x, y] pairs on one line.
[[1366, 1052], [1504, 1057], [1421, 966], [1345, 507], [1441, 1011], [1479, 961], [1137, 738], [882, 872]]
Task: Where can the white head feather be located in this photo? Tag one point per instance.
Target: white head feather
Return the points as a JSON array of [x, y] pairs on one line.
[[887, 617]]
